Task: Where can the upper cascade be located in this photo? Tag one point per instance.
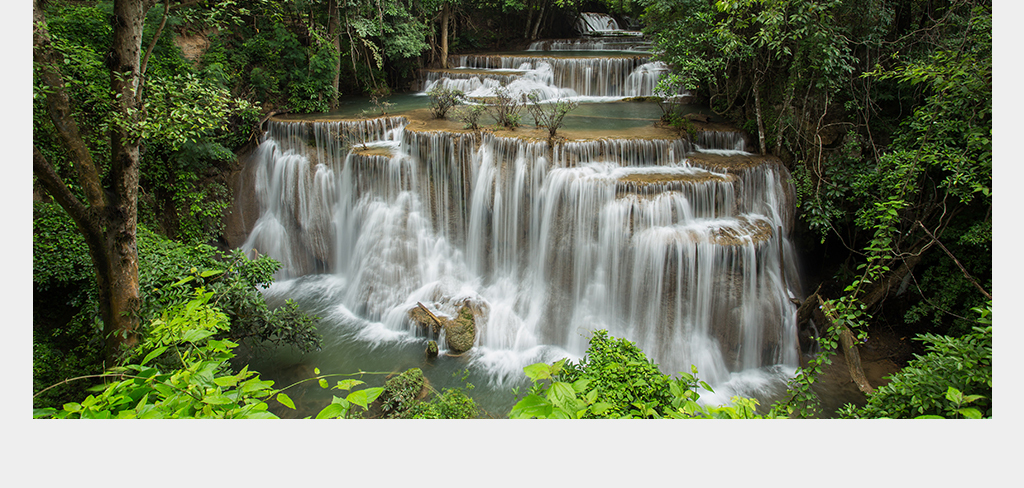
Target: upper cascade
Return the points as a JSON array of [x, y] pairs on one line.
[[599, 24], [587, 69]]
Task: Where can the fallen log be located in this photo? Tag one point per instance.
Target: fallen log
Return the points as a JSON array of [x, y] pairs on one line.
[[848, 345]]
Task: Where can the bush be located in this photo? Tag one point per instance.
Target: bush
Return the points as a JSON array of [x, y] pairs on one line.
[[451, 403], [443, 99], [505, 108], [549, 115], [923, 387], [470, 115], [616, 380]]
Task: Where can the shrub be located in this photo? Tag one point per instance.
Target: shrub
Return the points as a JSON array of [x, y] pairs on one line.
[[923, 387], [616, 380], [470, 115], [505, 108], [451, 403], [549, 115], [443, 99]]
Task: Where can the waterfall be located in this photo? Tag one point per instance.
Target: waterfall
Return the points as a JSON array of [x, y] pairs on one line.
[[683, 257]]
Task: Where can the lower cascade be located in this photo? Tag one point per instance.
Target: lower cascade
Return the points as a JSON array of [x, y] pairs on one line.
[[680, 248]]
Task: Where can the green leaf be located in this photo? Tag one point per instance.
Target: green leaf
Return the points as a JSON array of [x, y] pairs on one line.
[[348, 384], [152, 354], [286, 401], [562, 395], [331, 411], [531, 406], [970, 412], [226, 380], [364, 397], [221, 399]]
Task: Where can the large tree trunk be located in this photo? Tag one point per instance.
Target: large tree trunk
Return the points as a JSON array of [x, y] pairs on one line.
[[334, 33], [108, 218], [446, 14]]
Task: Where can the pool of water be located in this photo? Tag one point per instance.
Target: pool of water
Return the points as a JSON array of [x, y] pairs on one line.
[[353, 345]]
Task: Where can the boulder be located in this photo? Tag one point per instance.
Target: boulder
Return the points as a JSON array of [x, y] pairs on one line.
[[402, 391], [431, 350], [425, 320], [460, 334]]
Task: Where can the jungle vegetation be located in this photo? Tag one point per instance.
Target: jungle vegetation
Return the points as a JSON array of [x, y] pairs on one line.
[[881, 110]]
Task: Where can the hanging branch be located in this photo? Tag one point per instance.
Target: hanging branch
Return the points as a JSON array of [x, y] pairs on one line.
[[955, 260]]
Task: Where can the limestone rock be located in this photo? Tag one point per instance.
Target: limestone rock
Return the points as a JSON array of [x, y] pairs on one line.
[[431, 349], [460, 334]]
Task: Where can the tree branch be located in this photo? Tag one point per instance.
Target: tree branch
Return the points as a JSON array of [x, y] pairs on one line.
[[58, 104], [955, 260]]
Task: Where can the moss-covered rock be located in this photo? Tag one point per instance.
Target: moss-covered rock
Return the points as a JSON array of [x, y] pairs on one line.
[[431, 349], [402, 391], [460, 334]]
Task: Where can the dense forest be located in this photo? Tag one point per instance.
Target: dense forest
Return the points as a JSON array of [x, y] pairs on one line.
[[881, 110]]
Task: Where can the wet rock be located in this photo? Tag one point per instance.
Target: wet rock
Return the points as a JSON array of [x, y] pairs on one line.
[[460, 334], [431, 349], [402, 391], [425, 320]]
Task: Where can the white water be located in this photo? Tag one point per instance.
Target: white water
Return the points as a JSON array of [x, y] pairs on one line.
[[592, 23], [545, 244], [549, 245]]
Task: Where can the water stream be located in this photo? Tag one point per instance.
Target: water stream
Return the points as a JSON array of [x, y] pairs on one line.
[[680, 247]]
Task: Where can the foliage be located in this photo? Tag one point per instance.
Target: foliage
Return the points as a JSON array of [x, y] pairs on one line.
[[450, 403], [549, 115], [443, 99], [505, 108], [931, 384], [469, 115], [201, 383], [616, 380], [400, 392], [65, 332]]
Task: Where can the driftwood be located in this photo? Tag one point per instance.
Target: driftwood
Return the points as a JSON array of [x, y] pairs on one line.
[[437, 321]]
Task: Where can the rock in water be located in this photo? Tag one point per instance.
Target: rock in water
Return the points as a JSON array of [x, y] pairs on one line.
[[431, 349], [460, 334]]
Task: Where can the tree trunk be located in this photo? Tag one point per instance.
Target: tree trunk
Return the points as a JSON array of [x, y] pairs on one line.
[[108, 219], [760, 122], [536, 25], [446, 13], [849, 346], [334, 33]]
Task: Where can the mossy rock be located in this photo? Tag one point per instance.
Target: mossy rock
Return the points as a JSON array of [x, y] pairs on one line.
[[431, 349], [402, 391], [460, 334]]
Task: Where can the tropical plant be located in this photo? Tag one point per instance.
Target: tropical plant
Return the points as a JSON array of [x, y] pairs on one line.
[[185, 373], [616, 380], [443, 99], [549, 115], [953, 372]]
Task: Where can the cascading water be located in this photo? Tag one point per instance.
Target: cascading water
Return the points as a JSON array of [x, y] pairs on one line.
[[679, 247], [682, 257]]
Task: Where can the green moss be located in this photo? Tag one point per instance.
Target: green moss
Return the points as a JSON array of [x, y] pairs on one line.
[[400, 392]]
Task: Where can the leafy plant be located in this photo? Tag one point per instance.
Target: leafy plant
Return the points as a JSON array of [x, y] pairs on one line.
[[185, 373], [443, 99], [616, 380], [505, 108], [931, 384], [469, 115], [549, 115]]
